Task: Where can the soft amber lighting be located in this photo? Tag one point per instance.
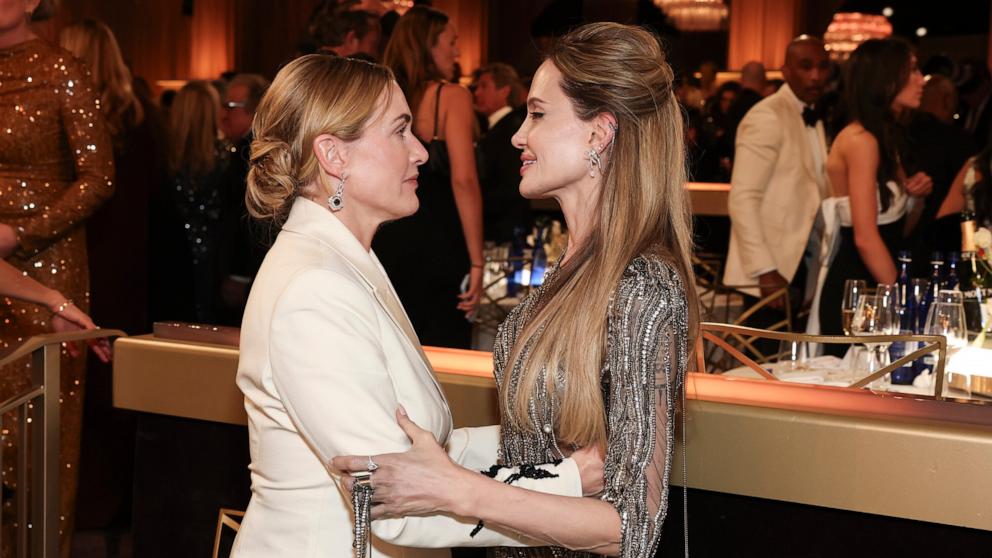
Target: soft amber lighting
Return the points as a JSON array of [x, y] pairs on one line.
[[848, 30], [695, 15]]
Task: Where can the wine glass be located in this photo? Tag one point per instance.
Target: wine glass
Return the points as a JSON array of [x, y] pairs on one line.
[[947, 319], [876, 315], [853, 289], [792, 355]]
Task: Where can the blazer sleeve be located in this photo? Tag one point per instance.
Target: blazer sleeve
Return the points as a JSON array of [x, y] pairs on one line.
[[759, 139], [330, 371]]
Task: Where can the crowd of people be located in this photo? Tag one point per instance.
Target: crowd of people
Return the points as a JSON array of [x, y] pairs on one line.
[[873, 153]]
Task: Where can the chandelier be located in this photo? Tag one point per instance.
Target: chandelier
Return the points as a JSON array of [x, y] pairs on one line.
[[850, 29], [695, 15]]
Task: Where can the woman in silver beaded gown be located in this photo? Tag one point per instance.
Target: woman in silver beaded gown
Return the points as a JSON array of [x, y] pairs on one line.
[[614, 319]]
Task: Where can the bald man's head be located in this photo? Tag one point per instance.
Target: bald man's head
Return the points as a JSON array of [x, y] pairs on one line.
[[753, 76], [806, 68], [940, 97]]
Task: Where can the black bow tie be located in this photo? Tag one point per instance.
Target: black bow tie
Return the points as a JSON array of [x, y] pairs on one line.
[[811, 116]]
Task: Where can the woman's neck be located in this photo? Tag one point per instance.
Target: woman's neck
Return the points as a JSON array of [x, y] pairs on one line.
[[16, 35], [578, 204], [362, 229]]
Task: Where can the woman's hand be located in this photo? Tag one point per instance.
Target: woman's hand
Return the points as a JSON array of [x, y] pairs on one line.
[[591, 469], [919, 185], [423, 480], [469, 300], [67, 317], [8, 240]]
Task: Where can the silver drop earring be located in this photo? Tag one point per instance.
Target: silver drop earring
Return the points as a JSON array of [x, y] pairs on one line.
[[594, 162], [336, 202]]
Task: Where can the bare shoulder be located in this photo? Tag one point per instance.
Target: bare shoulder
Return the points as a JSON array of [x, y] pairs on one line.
[[455, 97], [854, 136]]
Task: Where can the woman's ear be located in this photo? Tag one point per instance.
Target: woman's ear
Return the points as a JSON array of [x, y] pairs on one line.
[[332, 155], [604, 129]]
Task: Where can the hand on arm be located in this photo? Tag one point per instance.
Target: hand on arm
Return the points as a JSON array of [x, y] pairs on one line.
[[425, 480]]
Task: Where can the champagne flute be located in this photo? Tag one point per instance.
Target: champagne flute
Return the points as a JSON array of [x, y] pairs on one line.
[[853, 289]]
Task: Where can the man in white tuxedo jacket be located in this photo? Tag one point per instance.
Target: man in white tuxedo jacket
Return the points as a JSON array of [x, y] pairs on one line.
[[779, 178]]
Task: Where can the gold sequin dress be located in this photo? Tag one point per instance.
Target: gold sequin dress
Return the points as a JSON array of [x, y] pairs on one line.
[[56, 168]]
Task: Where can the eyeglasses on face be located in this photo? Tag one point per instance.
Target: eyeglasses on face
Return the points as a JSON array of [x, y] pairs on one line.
[[231, 105]]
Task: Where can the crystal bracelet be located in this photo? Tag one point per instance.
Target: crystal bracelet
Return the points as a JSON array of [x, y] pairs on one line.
[[361, 500]]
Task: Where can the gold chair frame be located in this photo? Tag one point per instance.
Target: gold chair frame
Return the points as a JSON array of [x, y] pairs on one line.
[[225, 518], [719, 333]]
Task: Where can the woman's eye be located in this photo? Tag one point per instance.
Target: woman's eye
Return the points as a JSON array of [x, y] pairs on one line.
[[536, 115]]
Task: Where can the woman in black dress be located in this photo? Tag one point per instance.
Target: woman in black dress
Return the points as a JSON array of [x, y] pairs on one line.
[[428, 254]]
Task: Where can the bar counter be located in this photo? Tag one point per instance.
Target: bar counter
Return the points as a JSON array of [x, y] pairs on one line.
[[897, 456]]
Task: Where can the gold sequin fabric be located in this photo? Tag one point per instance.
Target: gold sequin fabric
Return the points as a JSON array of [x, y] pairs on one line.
[[642, 377], [56, 168]]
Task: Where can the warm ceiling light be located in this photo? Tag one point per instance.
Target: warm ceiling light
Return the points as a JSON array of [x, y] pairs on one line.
[[695, 15], [850, 29], [887, 11]]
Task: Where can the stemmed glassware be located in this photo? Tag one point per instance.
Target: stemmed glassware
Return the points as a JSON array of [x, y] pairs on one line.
[[946, 317], [853, 289], [876, 314]]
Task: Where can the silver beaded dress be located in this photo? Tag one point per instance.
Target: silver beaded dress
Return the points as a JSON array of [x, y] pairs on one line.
[[646, 355]]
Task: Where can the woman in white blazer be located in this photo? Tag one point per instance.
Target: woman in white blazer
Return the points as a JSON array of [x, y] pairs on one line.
[[327, 352]]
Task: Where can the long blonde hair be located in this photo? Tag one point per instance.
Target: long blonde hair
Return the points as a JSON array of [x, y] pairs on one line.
[[312, 95], [408, 53], [643, 209], [94, 44], [193, 133]]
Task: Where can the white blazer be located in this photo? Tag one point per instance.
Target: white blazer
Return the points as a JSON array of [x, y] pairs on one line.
[[775, 190], [327, 355]]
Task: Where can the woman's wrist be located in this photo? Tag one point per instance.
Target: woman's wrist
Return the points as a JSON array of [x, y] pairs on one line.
[[463, 492], [53, 300]]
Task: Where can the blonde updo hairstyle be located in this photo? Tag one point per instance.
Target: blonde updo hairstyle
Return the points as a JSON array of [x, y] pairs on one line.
[[313, 95]]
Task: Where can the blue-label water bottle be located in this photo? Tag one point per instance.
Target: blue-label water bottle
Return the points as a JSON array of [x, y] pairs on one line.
[[907, 317]]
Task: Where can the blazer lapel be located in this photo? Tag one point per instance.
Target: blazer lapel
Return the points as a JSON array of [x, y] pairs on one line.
[[308, 218]]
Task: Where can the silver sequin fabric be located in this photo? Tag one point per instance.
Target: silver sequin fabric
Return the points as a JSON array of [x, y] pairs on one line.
[[642, 377]]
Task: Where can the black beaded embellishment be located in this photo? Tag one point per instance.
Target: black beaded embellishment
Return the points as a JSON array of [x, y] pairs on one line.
[[526, 471]]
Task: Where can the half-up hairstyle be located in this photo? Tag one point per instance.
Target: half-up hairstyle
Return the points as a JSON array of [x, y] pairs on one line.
[[643, 209], [312, 95]]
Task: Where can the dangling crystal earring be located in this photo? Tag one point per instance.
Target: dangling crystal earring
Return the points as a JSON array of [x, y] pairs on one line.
[[336, 202], [594, 162]]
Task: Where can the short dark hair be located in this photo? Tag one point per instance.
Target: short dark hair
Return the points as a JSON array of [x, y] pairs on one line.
[[330, 24], [504, 75]]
